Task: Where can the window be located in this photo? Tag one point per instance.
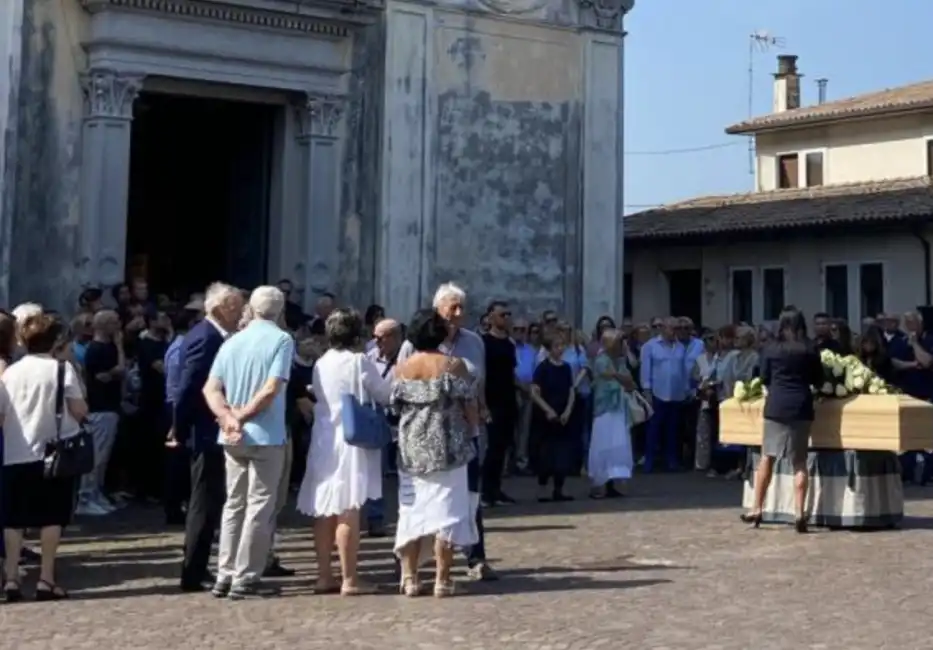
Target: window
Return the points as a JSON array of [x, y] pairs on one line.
[[742, 290], [836, 287], [871, 289], [814, 169], [788, 171], [627, 295], [930, 157], [772, 293]]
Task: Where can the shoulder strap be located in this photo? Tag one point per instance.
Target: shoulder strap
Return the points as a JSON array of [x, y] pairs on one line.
[[60, 399], [391, 363]]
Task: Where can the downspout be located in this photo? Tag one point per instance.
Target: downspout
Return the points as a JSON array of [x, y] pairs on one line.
[[927, 286]]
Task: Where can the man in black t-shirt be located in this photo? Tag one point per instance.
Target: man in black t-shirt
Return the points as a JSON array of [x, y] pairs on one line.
[[104, 367], [500, 401]]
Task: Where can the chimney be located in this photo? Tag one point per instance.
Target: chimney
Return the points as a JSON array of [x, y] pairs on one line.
[[821, 89], [786, 84]]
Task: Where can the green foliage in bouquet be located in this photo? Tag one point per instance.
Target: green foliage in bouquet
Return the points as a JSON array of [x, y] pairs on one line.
[[842, 377]]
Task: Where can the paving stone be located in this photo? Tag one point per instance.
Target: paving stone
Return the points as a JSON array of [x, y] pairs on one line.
[[669, 566]]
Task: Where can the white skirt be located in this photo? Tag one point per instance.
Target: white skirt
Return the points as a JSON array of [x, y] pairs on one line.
[[437, 505], [610, 455]]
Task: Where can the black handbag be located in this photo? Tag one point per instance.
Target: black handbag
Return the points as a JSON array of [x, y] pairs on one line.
[[72, 457]]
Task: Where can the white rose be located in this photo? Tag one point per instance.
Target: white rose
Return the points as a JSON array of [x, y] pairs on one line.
[[873, 390], [740, 392], [858, 383], [838, 370], [827, 389], [764, 391], [841, 391]]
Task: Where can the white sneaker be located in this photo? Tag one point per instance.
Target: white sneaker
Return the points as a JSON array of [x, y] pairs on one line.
[[91, 508]]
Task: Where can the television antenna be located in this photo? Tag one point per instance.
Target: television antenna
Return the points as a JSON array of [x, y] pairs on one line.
[[758, 41]]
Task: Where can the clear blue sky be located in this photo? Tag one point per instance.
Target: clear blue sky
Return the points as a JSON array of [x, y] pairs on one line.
[[687, 78]]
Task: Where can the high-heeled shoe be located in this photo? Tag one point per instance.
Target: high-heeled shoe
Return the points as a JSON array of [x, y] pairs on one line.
[[410, 586], [800, 525], [753, 518]]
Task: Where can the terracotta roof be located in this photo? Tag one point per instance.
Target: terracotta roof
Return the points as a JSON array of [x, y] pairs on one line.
[[888, 200], [892, 100]]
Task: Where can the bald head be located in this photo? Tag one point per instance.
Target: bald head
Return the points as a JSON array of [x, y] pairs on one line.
[[388, 337]]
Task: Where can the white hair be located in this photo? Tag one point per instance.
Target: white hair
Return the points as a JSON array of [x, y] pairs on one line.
[[448, 291], [267, 302], [217, 294], [26, 310]]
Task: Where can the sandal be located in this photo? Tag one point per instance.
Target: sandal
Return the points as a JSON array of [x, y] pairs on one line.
[[361, 589], [409, 586], [12, 591], [443, 588], [51, 592]]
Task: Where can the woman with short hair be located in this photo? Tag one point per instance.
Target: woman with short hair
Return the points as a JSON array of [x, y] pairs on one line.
[[31, 500], [341, 478], [435, 396]]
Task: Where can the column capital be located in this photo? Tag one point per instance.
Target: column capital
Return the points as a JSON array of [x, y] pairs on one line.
[[319, 115], [605, 14], [110, 94]]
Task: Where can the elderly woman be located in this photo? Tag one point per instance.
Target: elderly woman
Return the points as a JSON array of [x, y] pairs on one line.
[[741, 364], [30, 500], [610, 453], [707, 373], [341, 478]]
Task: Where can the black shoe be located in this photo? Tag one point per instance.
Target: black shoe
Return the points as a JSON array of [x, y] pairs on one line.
[[193, 587], [753, 518], [221, 589], [276, 570], [800, 525], [12, 592], [504, 499], [29, 556], [251, 590]]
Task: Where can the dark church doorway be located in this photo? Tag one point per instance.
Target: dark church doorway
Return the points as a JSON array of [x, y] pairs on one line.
[[198, 207]]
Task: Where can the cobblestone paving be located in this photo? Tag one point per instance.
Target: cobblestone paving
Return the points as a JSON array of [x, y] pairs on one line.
[[667, 567]]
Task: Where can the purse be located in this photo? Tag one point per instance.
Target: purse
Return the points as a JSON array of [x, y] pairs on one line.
[[72, 457], [364, 425], [639, 410]]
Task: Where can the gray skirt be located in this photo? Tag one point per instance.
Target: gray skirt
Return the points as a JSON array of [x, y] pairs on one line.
[[790, 440]]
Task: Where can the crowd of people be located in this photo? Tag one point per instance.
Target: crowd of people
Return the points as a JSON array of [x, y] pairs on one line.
[[220, 407]]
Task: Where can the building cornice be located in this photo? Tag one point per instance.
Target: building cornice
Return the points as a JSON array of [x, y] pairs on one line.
[[321, 17]]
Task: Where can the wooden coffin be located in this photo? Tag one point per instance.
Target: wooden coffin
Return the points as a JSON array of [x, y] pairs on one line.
[[866, 422]]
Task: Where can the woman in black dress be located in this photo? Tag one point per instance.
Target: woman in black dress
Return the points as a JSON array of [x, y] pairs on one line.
[[873, 353], [552, 391]]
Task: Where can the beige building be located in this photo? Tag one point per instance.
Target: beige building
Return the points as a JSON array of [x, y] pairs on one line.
[[842, 219]]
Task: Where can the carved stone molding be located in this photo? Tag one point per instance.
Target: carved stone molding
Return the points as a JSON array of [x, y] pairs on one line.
[[205, 9], [319, 116], [605, 14], [108, 94]]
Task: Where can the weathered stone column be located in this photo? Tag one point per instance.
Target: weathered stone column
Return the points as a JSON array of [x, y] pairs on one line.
[[602, 266], [105, 175], [320, 119]]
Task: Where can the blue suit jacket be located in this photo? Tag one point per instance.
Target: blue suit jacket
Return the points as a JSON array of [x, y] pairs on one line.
[[191, 416]]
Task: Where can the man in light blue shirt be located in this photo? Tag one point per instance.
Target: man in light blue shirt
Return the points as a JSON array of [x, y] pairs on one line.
[[526, 359], [665, 381], [246, 392]]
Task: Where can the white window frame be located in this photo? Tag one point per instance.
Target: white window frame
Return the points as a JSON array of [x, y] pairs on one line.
[[854, 281], [756, 303], [801, 166], [923, 156], [760, 316]]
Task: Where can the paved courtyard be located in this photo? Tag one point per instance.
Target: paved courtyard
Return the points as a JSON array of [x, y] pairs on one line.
[[669, 566]]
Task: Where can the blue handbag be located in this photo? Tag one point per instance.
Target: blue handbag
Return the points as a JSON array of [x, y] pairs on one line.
[[364, 425]]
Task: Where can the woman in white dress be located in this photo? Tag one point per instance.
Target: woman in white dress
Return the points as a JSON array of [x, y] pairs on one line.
[[340, 478], [434, 395], [610, 457]]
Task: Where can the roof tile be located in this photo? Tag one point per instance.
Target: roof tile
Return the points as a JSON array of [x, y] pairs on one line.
[[887, 200], [891, 100]]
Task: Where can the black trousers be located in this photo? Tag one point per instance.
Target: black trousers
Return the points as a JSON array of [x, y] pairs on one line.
[[477, 552], [208, 492], [500, 435]]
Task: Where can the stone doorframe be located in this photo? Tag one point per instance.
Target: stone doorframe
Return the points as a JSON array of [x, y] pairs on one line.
[[248, 54]]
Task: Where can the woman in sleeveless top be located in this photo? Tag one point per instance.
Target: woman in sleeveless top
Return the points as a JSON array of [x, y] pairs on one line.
[[435, 398]]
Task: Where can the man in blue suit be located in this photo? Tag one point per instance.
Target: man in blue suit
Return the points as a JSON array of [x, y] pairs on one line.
[[196, 427]]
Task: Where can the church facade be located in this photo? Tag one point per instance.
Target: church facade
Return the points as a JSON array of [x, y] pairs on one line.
[[413, 143]]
